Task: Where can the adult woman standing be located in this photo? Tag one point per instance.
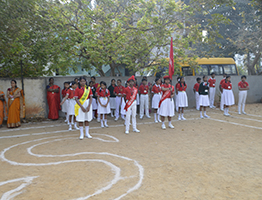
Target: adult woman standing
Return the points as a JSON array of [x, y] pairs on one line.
[[53, 99], [13, 95]]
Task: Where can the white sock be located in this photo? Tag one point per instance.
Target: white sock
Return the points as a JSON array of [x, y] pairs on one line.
[[87, 130], [225, 111], [102, 122], [182, 115], [169, 123], [72, 119], [179, 115], [158, 117], [163, 123], [81, 128], [70, 126], [155, 116], [201, 114], [105, 120], [205, 113]]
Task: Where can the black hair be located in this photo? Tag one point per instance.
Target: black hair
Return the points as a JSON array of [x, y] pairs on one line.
[[119, 80], [73, 83], [177, 78], [244, 76], [51, 79], [156, 79], [90, 82], [103, 82], [144, 79], [93, 77], [113, 80], [66, 83], [204, 76], [82, 77], [227, 78], [198, 78], [225, 74], [75, 79], [212, 73], [180, 81], [15, 82]]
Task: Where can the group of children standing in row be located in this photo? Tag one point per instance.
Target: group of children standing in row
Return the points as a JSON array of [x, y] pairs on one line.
[[82, 103]]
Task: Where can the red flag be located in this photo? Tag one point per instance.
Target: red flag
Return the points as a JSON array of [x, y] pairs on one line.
[[171, 60]]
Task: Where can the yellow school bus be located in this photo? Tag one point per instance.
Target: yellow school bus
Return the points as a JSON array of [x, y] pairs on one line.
[[209, 65]]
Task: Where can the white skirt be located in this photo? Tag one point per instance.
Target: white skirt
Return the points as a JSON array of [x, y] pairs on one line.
[[103, 110], [65, 106], [204, 100], [85, 116], [71, 107], [228, 97], [123, 104], [137, 99], [182, 100], [167, 108], [112, 102], [155, 101], [94, 104]]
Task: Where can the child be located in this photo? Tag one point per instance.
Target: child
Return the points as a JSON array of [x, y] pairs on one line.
[[243, 87], [178, 79], [143, 90], [70, 98], [96, 86], [112, 97], [221, 91], [137, 96], [119, 89], [103, 98], [65, 104], [156, 91], [212, 89], [83, 107], [166, 103], [94, 104], [228, 96], [203, 97], [195, 90], [130, 107], [181, 98]]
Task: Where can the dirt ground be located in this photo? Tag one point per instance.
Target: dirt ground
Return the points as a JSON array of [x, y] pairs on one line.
[[201, 159]]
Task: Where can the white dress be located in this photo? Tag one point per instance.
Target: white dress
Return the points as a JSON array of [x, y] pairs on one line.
[[155, 100], [228, 97], [182, 100], [71, 106], [85, 116], [167, 108], [101, 109]]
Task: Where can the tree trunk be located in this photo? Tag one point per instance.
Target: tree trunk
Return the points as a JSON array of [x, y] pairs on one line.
[[257, 57], [112, 67]]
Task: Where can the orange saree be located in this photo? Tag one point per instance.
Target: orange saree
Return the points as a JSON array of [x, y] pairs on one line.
[[3, 109], [16, 108]]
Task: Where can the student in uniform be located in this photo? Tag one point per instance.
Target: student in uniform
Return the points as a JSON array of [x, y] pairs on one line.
[[112, 97], [203, 97], [182, 98], [228, 96], [195, 90], [143, 90], [103, 98], [96, 86], [221, 91], [243, 87], [166, 103], [156, 91], [178, 79], [212, 89], [70, 99], [65, 104], [94, 104], [118, 91], [137, 97], [130, 107], [83, 107]]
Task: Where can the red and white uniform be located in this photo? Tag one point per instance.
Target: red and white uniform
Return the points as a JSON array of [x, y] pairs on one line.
[[166, 104], [228, 96], [71, 101], [176, 98], [84, 116], [222, 99], [119, 90], [212, 91], [182, 96], [103, 95], [65, 104], [143, 89], [242, 96], [196, 87], [156, 90]]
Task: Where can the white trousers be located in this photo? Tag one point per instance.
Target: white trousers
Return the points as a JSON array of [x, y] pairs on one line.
[[212, 94], [242, 96], [221, 102], [131, 110], [197, 100], [118, 104], [144, 105]]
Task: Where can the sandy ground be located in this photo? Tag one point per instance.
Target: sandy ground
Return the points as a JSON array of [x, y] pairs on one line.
[[201, 159]]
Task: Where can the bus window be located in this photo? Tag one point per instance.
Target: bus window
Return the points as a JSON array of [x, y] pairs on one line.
[[218, 70], [187, 71], [230, 69], [203, 70]]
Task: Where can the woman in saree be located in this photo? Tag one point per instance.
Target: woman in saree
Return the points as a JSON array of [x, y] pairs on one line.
[[3, 109], [15, 105], [53, 99]]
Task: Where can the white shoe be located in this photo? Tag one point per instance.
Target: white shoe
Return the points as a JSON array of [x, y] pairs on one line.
[[156, 121], [244, 112], [102, 126], [163, 127], [239, 113], [141, 117], [201, 117], [136, 131], [197, 109], [81, 137], [116, 118], [88, 136], [159, 121], [72, 123], [98, 120], [213, 106], [183, 118], [206, 116], [106, 125], [127, 132], [222, 109], [70, 128], [227, 114], [65, 120], [179, 118], [148, 117], [171, 126]]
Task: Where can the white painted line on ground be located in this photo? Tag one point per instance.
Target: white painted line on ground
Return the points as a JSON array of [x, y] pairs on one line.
[[236, 117]]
